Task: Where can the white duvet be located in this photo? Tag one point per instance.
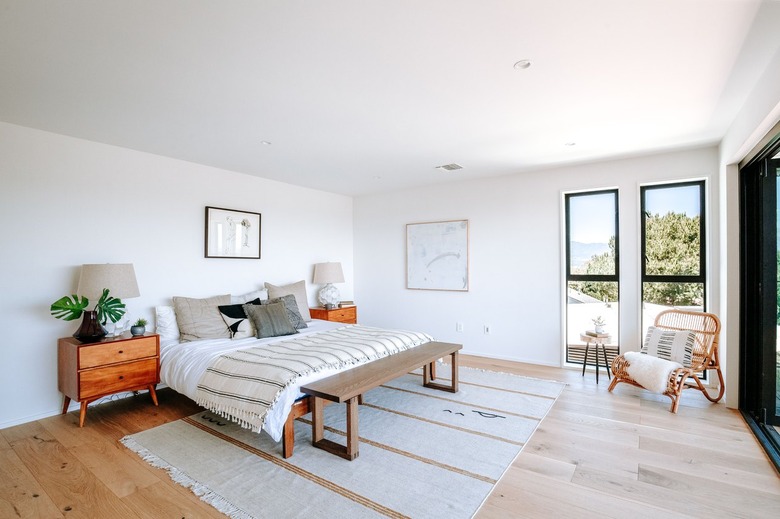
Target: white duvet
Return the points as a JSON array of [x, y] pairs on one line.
[[183, 363]]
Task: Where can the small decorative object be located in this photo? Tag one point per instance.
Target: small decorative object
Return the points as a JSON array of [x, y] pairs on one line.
[[232, 234], [328, 273], [437, 255], [599, 323], [139, 327], [96, 282]]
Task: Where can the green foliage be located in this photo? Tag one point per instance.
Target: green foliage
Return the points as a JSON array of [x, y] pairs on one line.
[[69, 309], [673, 244], [603, 264], [107, 307], [140, 322], [673, 248]]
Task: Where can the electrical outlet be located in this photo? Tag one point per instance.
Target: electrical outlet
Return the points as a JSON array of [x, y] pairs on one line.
[[459, 327], [486, 329]]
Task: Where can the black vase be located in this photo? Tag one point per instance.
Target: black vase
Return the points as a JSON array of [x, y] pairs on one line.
[[91, 330]]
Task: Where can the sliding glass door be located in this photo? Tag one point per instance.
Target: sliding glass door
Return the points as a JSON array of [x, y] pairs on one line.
[[760, 298]]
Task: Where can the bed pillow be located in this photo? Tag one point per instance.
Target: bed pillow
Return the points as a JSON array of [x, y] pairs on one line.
[[673, 345], [200, 318], [298, 290], [165, 323], [270, 320], [293, 313], [261, 294], [239, 325]]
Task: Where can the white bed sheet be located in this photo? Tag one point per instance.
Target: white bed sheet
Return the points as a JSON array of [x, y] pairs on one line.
[[183, 363]]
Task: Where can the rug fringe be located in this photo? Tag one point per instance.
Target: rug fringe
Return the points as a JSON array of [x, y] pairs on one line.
[[182, 478]]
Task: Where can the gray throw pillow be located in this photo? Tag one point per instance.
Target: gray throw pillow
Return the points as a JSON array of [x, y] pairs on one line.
[[298, 290], [270, 320], [292, 310], [200, 318]]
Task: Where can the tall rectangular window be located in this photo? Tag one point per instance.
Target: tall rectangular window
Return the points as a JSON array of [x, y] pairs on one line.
[[673, 248], [592, 269]]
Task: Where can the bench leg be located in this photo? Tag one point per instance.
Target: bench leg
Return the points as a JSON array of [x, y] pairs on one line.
[[428, 370], [348, 452]]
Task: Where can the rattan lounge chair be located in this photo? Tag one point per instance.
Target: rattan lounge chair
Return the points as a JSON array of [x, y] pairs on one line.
[[705, 356]]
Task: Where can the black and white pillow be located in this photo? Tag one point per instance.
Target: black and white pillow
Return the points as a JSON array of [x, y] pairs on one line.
[[674, 345], [293, 312], [270, 320], [239, 325]]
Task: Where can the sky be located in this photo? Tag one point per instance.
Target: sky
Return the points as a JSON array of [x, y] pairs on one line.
[[593, 216]]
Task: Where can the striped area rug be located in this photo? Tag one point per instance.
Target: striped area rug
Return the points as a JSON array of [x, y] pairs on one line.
[[423, 452]]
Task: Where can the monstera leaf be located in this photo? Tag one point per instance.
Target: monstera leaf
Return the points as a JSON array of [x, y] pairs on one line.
[[69, 309], [109, 308]]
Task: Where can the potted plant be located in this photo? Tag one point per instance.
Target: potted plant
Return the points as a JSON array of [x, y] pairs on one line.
[[72, 307], [139, 327], [599, 323]]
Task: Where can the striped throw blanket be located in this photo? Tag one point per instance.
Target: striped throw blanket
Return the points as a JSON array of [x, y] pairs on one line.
[[244, 384]]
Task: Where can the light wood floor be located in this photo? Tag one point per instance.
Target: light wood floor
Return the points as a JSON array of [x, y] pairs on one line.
[[595, 455]]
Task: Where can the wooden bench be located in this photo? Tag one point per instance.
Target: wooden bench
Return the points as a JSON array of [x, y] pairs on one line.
[[350, 385]]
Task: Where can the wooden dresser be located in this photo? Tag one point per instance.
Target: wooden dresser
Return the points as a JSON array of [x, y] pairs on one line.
[[87, 372], [346, 314]]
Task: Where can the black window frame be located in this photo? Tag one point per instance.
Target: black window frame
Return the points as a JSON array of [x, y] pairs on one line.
[[614, 348], [654, 278], [592, 277]]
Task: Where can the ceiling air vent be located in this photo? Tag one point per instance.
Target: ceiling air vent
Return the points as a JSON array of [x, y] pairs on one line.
[[450, 167]]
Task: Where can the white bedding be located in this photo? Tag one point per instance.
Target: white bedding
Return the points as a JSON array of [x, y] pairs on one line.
[[183, 363]]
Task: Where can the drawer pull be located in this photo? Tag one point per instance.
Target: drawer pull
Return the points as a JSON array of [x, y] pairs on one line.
[[121, 351], [121, 377]]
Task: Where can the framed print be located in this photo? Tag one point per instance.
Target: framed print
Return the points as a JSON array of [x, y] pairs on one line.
[[232, 234], [437, 255]]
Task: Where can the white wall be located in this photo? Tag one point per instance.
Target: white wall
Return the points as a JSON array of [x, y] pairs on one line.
[[759, 114], [515, 253], [65, 202]]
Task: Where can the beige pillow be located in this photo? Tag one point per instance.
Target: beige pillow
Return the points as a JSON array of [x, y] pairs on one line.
[[298, 290], [200, 318]]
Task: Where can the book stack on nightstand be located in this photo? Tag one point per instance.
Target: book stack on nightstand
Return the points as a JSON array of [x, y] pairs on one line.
[[344, 314]]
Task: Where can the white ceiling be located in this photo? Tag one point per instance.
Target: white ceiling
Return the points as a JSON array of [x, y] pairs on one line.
[[364, 96]]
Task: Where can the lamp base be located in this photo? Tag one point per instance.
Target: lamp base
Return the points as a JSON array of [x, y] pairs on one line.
[[90, 330], [329, 295]]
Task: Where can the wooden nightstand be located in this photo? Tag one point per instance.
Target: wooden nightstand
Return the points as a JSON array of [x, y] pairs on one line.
[[345, 314], [87, 372]]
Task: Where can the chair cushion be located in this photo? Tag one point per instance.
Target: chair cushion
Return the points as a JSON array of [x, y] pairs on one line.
[[673, 345]]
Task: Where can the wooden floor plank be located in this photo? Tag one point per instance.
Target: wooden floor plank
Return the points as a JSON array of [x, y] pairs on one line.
[[20, 493], [167, 499], [597, 454], [68, 483], [106, 458]]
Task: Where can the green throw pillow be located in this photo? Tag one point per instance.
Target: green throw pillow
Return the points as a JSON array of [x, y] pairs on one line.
[[270, 320]]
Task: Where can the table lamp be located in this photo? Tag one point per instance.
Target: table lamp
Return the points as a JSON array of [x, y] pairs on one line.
[[118, 278], [328, 273]]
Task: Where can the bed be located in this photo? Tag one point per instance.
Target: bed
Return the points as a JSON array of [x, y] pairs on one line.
[[207, 370]]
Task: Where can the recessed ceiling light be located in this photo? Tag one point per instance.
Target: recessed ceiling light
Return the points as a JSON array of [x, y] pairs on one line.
[[523, 64], [265, 143], [450, 167]]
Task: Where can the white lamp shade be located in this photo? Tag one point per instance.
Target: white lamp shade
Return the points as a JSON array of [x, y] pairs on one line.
[[328, 273], [118, 278]]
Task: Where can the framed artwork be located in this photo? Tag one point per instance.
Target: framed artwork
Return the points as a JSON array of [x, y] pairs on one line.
[[437, 255], [232, 234]]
